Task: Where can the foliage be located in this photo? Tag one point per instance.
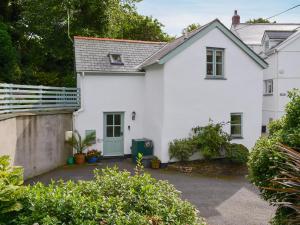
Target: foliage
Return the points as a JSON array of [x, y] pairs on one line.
[[80, 144], [264, 163], [237, 153], [93, 153], [290, 134], [182, 149], [259, 20], [275, 127], [44, 44], [211, 139], [276, 170], [139, 169], [112, 198], [9, 70], [11, 179], [286, 194], [191, 27]]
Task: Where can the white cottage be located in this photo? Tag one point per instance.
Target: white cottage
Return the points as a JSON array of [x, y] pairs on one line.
[[279, 45], [134, 89]]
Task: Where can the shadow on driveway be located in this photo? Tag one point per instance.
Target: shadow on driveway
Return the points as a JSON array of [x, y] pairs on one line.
[[221, 200]]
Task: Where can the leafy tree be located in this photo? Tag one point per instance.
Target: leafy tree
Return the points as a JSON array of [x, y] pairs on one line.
[[191, 27], [47, 51], [259, 20], [9, 70]]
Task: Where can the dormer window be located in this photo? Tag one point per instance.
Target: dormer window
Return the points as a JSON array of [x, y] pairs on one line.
[[115, 59]]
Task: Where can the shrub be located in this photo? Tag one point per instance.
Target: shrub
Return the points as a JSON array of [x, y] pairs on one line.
[[211, 139], [237, 153], [112, 198], [275, 128], [11, 179], [182, 149], [291, 127]]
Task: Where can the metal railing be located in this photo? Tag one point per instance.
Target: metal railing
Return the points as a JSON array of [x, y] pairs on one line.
[[28, 98]]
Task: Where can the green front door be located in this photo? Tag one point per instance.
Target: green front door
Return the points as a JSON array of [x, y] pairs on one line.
[[113, 141]]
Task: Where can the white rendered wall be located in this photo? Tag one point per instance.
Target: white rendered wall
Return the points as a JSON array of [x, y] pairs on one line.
[[284, 69], [154, 106], [112, 93], [191, 100]]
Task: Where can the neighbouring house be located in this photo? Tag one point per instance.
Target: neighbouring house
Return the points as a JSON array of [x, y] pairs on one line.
[[134, 89], [279, 45]]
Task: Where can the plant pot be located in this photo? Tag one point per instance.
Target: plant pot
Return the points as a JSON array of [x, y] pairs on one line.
[[70, 160], [79, 158], [93, 159], [155, 164]]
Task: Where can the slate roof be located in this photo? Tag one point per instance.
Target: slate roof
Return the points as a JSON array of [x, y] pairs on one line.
[[252, 34], [91, 54], [279, 34], [172, 45]]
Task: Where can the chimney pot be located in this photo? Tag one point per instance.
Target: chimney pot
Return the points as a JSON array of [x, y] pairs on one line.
[[235, 18]]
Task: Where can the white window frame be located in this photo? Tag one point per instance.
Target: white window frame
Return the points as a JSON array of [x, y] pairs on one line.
[[241, 125], [268, 90], [214, 63]]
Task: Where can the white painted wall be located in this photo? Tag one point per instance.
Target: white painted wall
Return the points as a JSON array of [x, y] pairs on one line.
[[191, 100], [154, 106], [112, 93], [285, 72]]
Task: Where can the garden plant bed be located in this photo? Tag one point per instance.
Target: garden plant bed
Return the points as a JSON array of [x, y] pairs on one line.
[[216, 167]]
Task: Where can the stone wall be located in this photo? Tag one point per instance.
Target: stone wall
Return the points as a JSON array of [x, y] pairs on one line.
[[36, 141]]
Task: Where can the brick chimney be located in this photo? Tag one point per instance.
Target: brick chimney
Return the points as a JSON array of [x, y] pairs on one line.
[[235, 18]]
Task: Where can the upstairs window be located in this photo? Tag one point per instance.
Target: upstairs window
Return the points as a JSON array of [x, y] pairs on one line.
[[267, 45], [268, 87], [115, 59], [214, 63]]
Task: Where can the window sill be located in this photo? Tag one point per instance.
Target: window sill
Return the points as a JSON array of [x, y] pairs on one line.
[[268, 94], [236, 137], [215, 78]]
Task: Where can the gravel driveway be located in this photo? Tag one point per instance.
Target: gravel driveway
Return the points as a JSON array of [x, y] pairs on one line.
[[221, 200]]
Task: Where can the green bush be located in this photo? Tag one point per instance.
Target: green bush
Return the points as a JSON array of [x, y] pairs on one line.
[[113, 197], [210, 140], [182, 149], [290, 134], [237, 153], [275, 128], [264, 164], [11, 179]]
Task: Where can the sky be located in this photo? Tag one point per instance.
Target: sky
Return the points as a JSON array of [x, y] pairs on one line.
[[177, 14]]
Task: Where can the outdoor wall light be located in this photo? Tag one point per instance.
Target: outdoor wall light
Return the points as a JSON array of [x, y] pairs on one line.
[[133, 114]]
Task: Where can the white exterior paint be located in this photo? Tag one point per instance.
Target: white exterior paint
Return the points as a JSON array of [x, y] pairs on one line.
[[172, 98], [285, 73], [112, 93]]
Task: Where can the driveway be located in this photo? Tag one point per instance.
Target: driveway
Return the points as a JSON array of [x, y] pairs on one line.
[[229, 200]]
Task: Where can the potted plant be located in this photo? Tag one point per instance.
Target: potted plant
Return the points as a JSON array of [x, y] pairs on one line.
[[93, 156], [155, 163], [80, 145]]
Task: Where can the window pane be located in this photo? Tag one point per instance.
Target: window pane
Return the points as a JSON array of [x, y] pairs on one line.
[[209, 56], [219, 56], [236, 119], [209, 70], [236, 130], [109, 131], [117, 131], [219, 69], [109, 119], [117, 119], [116, 58]]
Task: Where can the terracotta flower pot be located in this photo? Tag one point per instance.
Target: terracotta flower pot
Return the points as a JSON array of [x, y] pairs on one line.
[[79, 158]]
